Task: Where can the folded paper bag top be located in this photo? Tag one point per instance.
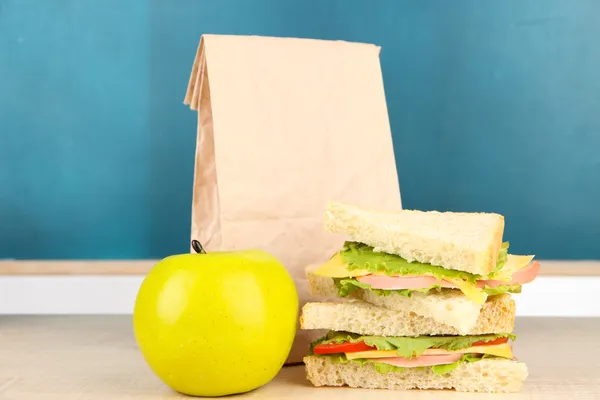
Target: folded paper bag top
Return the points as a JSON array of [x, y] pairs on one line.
[[284, 126]]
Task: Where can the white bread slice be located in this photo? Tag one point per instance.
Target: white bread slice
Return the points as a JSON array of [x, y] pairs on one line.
[[449, 307], [489, 375], [497, 316], [462, 241]]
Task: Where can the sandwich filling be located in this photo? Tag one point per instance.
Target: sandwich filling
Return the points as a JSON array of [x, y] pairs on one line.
[[358, 266], [442, 354]]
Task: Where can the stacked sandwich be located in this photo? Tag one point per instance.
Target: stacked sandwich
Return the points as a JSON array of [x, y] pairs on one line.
[[426, 302]]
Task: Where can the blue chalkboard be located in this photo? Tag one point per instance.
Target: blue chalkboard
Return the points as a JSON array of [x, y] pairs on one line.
[[494, 106]]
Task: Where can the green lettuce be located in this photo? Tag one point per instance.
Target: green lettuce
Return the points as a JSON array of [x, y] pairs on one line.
[[409, 347], [361, 256], [380, 367], [384, 368], [502, 259], [466, 358], [502, 289], [346, 286]]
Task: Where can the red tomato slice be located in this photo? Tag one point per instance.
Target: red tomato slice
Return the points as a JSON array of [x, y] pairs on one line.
[[501, 340], [347, 347], [333, 348]]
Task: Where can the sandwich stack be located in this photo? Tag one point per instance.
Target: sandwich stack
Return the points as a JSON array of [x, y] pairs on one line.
[[422, 300]]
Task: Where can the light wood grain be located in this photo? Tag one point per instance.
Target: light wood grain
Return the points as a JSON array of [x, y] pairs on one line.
[[141, 267], [96, 357]]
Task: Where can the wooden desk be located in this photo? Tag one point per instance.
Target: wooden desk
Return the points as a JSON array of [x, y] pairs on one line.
[[96, 357]]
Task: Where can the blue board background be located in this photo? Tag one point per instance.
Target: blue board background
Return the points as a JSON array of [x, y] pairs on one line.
[[494, 106]]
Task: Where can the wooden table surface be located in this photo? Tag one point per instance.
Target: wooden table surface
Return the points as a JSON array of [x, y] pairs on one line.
[[96, 357]]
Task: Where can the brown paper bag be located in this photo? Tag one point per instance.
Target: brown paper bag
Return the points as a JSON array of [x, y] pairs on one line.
[[284, 125]]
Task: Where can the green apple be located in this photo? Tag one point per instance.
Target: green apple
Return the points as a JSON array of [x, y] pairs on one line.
[[216, 324]]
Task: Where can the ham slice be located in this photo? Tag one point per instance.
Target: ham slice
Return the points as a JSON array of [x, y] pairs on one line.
[[402, 282], [384, 282], [422, 361], [520, 277]]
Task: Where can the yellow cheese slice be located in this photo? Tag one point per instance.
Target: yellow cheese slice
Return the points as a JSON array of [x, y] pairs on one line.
[[337, 268], [372, 354], [513, 264], [472, 292], [498, 350]]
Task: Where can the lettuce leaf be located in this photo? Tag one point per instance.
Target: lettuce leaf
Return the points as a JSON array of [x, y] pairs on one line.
[[502, 289], [502, 259], [466, 358], [409, 347], [346, 286], [361, 256], [384, 368]]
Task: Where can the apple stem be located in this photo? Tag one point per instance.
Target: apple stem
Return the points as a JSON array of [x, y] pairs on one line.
[[198, 247]]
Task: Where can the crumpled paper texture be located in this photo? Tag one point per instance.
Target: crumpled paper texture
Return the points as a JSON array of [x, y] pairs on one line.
[[284, 126]]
